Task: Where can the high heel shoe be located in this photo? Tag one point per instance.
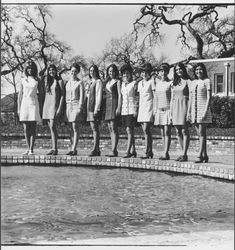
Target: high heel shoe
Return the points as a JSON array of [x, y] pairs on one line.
[[134, 154], [200, 160], [183, 158], [94, 153], [206, 159], [53, 152], [165, 158], [148, 155], [114, 154]]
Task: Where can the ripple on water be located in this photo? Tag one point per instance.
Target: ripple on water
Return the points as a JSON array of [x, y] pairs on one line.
[[53, 204]]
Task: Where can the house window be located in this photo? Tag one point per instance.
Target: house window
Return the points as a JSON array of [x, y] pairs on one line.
[[219, 83], [232, 83]]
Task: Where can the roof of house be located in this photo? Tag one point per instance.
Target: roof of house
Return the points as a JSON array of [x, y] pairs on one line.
[[7, 103]]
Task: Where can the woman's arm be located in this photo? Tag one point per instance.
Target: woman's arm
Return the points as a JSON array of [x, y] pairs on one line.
[[119, 106], [82, 95], [98, 89], [62, 91], [136, 99], [208, 87], [20, 94]]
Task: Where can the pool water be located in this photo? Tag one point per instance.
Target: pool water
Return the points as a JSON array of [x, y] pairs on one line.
[[68, 203]]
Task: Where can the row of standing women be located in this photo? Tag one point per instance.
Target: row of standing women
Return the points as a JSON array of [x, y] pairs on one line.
[[148, 100]]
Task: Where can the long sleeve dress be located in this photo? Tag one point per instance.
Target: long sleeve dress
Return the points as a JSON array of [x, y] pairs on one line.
[[198, 91]]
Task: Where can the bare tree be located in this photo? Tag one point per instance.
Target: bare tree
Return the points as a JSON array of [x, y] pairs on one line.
[[152, 17]]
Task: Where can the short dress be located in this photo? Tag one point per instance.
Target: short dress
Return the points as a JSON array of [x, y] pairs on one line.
[[94, 99], [29, 109], [111, 99], [52, 101], [129, 103], [179, 99], [198, 91], [74, 92], [145, 89], [162, 103]]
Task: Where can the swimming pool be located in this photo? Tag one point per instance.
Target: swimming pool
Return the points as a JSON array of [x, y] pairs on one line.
[[67, 203]]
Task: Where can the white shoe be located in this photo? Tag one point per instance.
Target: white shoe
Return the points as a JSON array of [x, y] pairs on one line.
[[26, 153], [30, 153]]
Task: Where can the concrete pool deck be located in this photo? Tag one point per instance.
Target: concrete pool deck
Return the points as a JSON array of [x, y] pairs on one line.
[[219, 166]]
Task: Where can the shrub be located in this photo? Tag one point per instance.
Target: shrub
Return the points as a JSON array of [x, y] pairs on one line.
[[222, 109]]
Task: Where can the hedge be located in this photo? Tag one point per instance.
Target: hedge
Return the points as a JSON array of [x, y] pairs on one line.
[[222, 109]]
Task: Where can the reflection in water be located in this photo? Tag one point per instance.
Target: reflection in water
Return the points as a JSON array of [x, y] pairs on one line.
[[50, 204]]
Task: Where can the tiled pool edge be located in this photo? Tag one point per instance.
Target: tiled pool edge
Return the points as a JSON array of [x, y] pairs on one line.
[[203, 169]]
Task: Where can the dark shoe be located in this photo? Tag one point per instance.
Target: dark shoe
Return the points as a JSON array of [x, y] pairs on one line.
[[206, 159], [165, 158], [148, 155], [128, 155], [114, 154], [52, 152], [179, 158], [94, 153], [200, 159], [183, 158], [74, 152], [134, 154], [69, 153]]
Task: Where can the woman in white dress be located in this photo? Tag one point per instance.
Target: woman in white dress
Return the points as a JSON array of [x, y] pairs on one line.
[[199, 107], [74, 90], [129, 107], [163, 117], [145, 114], [53, 104], [28, 104]]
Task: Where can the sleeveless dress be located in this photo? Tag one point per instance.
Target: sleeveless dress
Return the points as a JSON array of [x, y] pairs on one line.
[[29, 109], [198, 91], [73, 100], [111, 100], [180, 97], [162, 103], [145, 89], [52, 100], [94, 98]]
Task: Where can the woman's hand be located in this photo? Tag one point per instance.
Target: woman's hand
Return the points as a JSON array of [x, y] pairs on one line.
[[204, 115], [118, 111]]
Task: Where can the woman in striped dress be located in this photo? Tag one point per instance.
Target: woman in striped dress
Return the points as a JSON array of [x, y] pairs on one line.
[[162, 110], [199, 107]]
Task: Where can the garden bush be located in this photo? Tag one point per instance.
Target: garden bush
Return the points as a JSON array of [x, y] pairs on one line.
[[222, 109]]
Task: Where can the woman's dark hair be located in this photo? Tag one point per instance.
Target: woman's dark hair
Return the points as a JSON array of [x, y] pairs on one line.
[[165, 67], [96, 70], [185, 75], [76, 66], [31, 64], [203, 69], [147, 68], [49, 79], [128, 68], [116, 72]]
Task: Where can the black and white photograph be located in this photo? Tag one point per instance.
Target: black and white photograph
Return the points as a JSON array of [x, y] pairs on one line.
[[117, 124]]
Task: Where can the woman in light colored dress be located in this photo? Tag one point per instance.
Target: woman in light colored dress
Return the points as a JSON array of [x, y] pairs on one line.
[[113, 105], [145, 113], [28, 104], [74, 90], [129, 107], [199, 107], [162, 111], [53, 104], [179, 107], [94, 99]]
